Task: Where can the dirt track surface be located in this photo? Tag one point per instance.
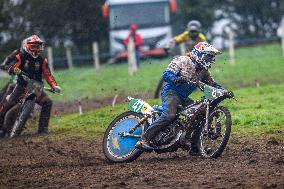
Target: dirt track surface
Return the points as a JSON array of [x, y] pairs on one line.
[[78, 163]]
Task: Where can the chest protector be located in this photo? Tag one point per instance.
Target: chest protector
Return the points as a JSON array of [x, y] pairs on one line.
[[32, 66]]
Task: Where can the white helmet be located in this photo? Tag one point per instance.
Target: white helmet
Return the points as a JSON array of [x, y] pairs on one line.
[[33, 45], [204, 54]]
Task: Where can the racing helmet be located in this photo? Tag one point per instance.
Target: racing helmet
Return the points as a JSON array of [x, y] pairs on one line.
[[33, 45], [194, 28], [204, 54]]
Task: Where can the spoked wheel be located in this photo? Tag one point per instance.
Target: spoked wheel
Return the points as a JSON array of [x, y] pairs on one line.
[[159, 88], [119, 148], [214, 140], [21, 120], [10, 118]]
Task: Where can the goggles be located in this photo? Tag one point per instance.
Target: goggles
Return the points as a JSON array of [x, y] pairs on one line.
[[35, 47], [208, 58]]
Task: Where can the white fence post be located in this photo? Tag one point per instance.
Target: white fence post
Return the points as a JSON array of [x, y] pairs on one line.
[[96, 56], [182, 49], [69, 57], [50, 59], [132, 64], [231, 48], [282, 38]]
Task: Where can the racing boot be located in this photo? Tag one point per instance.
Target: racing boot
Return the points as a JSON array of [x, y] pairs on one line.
[[194, 150], [44, 117]]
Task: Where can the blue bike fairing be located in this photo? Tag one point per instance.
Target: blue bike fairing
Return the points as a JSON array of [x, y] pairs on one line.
[[121, 146]]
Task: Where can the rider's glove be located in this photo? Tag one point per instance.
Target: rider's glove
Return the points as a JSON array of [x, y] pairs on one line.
[[230, 94], [16, 71], [179, 81], [56, 89]]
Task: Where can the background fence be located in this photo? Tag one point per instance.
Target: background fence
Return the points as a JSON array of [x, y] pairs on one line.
[[64, 58]]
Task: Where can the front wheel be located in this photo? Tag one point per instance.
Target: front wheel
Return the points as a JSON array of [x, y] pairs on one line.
[[10, 118], [21, 120], [117, 148], [214, 140]]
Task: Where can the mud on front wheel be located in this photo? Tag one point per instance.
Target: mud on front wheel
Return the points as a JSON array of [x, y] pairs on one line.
[[213, 141], [22, 118], [119, 149]]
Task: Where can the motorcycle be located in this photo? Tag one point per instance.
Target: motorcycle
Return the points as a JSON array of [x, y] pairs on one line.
[[206, 116], [16, 117]]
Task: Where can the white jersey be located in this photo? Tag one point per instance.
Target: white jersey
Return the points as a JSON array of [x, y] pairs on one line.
[[184, 66]]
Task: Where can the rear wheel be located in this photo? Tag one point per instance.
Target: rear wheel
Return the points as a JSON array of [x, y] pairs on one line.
[[21, 120], [122, 149], [213, 141], [159, 88]]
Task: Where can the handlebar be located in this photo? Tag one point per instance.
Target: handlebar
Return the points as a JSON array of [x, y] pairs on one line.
[[230, 94], [26, 77], [51, 90]]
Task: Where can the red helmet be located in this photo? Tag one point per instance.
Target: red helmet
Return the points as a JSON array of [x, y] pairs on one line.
[[33, 45]]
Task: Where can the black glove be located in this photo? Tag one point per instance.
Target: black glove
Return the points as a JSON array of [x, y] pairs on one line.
[[179, 81], [56, 89], [230, 94]]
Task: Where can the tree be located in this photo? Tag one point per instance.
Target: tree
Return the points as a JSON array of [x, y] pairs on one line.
[[54, 20], [254, 19], [199, 10]]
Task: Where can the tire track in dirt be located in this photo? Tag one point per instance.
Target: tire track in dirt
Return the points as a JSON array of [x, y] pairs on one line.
[[77, 163]]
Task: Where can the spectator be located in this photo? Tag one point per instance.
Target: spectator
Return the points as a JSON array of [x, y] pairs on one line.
[[138, 41]]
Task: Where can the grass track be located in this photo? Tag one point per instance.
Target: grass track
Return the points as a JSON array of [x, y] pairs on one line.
[[259, 111], [263, 63]]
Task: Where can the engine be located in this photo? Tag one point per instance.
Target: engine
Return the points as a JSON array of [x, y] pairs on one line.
[[166, 135]]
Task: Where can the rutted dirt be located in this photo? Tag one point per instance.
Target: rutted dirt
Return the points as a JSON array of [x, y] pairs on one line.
[[78, 163]]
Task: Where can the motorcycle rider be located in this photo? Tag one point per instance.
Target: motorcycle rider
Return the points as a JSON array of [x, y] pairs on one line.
[[191, 37], [7, 63], [34, 65], [181, 77]]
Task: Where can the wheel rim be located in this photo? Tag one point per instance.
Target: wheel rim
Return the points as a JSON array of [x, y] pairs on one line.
[[122, 147], [211, 140]]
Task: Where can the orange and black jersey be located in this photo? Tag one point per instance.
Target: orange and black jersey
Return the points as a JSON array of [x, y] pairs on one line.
[[34, 67]]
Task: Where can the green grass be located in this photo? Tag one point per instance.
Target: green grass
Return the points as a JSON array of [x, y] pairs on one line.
[[263, 63], [258, 112]]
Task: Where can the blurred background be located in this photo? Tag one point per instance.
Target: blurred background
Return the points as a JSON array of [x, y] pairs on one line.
[[77, 24], [80, 35]]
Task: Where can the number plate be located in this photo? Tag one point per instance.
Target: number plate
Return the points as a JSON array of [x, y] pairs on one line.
[[212, 93]]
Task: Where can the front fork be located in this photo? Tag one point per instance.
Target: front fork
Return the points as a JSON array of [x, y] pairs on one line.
[[207, 119], [206, 116], [140, 123]]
